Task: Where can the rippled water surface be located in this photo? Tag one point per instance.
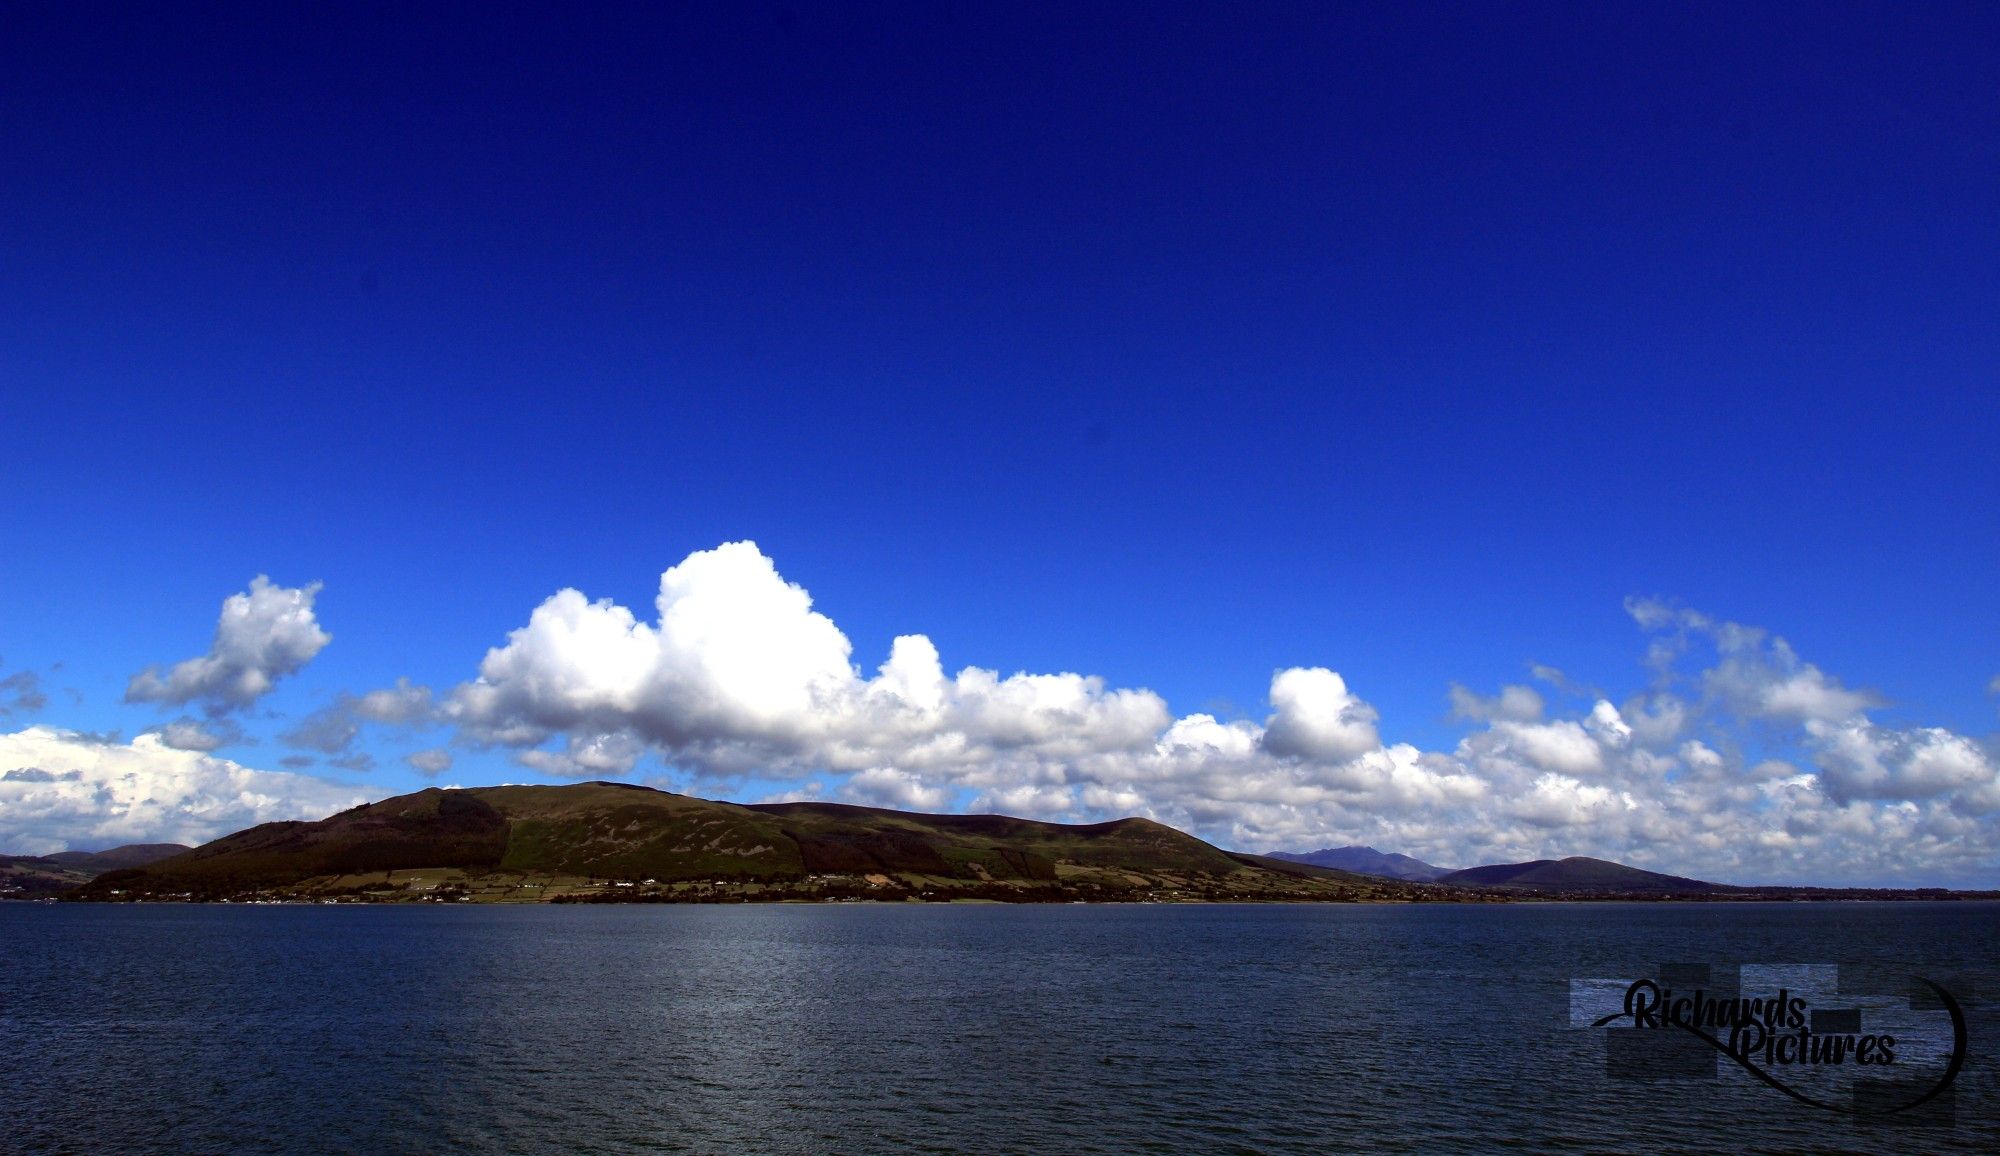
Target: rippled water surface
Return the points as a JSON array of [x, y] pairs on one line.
[[905, 1028]]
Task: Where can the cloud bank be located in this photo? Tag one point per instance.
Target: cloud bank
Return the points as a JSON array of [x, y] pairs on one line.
[[60, 790], [736, 675]]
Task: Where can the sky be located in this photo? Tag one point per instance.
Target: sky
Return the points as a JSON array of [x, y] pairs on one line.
[[1485, 432]]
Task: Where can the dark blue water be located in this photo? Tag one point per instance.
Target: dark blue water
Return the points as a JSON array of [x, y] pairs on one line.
[[905, 1028]]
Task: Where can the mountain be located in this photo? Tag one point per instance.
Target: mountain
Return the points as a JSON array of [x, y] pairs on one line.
[[1367, 861], [1578, 874], [35, 877], [615, 841], [43, 876], [130, 855]]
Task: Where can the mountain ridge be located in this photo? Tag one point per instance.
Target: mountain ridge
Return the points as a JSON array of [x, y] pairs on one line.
[[1367, 861], [604, 841]]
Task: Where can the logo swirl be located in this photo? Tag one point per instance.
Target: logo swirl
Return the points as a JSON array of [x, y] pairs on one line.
[[1647, 1007]]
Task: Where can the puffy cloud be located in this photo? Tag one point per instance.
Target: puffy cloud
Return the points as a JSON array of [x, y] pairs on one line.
[[1861, 761], [596, 756], [404, 704], [1562, 746], [736, 655], [1656, 719], [889, 787], [1606, 725], [1560, 801], [63, 790], [739, 673], [264, 634], [1316, 717], [1046, 801], [429, 763], [1805, 695]]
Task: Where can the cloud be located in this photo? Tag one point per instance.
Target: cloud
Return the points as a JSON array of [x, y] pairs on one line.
[[403, 704], [21, 693], [1562, 682], [187, 734], [263, 635], [1562, 746], [1515, 703], [329, 730], [594, 756], [38, 775], [1862, 761], [429, 763], [333, 728], [739, 674], [888, 787], [63, 790], [1316, 717], [1758, 676]]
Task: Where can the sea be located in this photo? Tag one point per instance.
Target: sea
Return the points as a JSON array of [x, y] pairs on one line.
[[941, 1028]]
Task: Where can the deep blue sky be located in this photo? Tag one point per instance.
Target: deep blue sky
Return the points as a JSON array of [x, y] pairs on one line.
[[1169, 343]]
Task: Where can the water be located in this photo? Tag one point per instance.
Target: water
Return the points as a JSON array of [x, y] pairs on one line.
[[919, 1028]]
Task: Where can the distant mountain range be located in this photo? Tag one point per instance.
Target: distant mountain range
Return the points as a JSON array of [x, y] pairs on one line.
[[42, 876], [1367, 861], [619, 842], [130, 855], [1575, 875]]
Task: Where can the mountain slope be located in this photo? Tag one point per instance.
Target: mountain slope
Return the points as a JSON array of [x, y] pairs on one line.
[[44, 876], [1367, 861], [1577, 874], [37, 877]]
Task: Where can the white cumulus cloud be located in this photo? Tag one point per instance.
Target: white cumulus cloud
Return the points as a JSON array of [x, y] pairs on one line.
[[1317, 718], [264, 634]]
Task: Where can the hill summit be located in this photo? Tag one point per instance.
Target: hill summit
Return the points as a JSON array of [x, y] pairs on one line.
[[1367, 861], [1578, 873]]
